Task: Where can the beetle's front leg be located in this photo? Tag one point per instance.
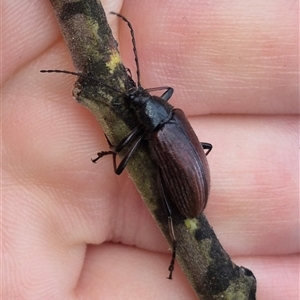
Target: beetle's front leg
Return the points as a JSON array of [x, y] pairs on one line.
[[207, 146], [132, 140], [166, 95]]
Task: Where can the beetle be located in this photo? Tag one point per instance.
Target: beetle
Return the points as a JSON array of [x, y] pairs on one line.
[[183, 175], [183, 171]]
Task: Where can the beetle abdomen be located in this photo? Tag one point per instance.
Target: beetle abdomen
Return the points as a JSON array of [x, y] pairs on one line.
[[183, 165]]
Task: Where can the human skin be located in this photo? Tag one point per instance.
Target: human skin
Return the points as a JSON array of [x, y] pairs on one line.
[[74, 230]]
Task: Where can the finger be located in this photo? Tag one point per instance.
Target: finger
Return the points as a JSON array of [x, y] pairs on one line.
[[228, 58], [253, 205]]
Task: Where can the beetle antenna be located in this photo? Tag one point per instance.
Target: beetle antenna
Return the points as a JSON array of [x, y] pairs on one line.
[[82, 76], [134, 47]]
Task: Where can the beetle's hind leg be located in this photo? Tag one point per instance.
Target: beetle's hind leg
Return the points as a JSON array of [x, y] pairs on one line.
[[170, 224], [172, 263]]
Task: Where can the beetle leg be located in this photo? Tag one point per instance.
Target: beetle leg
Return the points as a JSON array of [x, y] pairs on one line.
[[124, 142], [130, 79], [128, 72], [120, 168], [101, 154], [170, 224], [172, 263], [207, 146], [166, 95], [128, 155], [128, 139]]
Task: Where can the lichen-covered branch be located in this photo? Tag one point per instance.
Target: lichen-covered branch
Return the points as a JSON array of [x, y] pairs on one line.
[[94, 51]]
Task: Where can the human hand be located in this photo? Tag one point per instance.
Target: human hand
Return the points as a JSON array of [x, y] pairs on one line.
[[75, 229]]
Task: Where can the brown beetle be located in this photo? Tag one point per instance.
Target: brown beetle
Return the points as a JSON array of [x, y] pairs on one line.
[[183, 171]]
